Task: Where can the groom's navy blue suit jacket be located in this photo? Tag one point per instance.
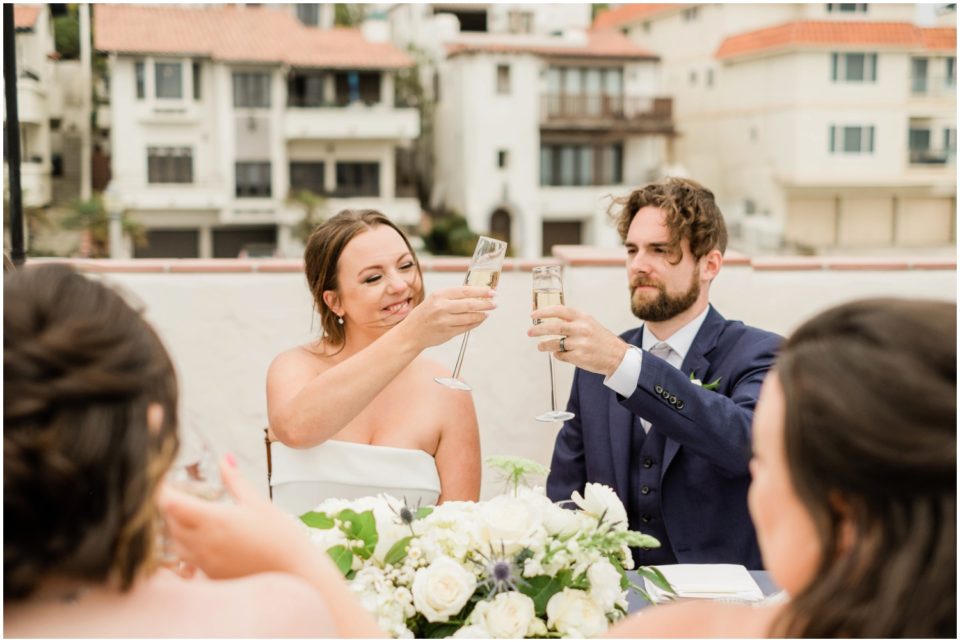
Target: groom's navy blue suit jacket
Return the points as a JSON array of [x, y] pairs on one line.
[[705, 474]]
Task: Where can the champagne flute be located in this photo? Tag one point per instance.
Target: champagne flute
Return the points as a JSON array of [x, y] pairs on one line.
[[196, 471], [548, 291], [484, 270]]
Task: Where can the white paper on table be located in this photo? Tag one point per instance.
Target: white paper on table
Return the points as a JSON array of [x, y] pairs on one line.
[[730, 582]]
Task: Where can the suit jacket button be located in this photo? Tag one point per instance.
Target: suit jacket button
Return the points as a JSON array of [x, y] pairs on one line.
[[673, 400], [645, 489], [665, 395], [680, 404], [659, 389]]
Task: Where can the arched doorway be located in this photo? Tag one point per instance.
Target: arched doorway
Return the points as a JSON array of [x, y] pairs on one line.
[[500, 224]]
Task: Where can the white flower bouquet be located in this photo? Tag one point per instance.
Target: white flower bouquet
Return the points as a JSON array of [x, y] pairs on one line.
[[515, 566]]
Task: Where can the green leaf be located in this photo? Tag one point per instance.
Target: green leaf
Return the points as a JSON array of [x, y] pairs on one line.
[[438, 630], [361, 526], [342, 557], [423, 512], [713, 385], [398, 551], [624, 580], [542, 587], [653, 574], [314, 519]]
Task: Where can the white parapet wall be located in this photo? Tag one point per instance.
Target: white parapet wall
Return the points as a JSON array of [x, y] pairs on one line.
[[224, 321]]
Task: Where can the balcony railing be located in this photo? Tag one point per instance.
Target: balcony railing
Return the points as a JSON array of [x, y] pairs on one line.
[[605, 107], [932, 156], [933, 85]]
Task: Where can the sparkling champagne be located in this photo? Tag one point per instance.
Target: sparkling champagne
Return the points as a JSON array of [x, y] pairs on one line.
[[545, 299], [481, 277]]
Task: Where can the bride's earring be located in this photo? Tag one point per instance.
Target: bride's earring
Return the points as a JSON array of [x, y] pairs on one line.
[[340, 320]]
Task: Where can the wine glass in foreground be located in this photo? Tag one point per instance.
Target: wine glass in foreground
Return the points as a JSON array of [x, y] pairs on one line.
[[484, 270], [548, 291]]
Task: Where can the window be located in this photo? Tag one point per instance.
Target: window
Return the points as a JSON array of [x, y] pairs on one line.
[[580, 164], [196, 80], [305, 89], [503, 80], [851, 140], [854, 67], [309, 14], [846, 8], [436, 86], [709, 78], [357, 86], [169, 165], [169, 79], [358, 179], [950, 139], [251, 89], [141, 75], [950, 77], [646, 27], [689, 15], [253, 180], [693, 77], [520, 21], [307, 176], [502, 157], [919, 139]]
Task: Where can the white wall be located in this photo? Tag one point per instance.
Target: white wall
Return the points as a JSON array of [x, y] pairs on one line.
[[223, 330]]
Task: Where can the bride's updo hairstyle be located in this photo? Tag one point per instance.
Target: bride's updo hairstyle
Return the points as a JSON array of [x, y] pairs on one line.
[[80, 462], [321, 259], [870, 393]]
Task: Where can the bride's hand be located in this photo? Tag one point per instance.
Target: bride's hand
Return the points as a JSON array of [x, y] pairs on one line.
[[449, 312], [233, 540]]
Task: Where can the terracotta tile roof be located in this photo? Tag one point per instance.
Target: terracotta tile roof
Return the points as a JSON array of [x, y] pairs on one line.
[[226, 33], [25, 16], [629, 14], [607, 43], [822, 33]]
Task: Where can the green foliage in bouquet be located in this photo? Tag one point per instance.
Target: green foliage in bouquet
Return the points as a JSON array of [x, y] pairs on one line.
[[516, 565]]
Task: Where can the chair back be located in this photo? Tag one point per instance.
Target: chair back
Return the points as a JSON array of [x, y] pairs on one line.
[[266, 442]]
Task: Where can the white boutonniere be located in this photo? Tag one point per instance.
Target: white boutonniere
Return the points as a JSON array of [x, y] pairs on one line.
[[713, 385]]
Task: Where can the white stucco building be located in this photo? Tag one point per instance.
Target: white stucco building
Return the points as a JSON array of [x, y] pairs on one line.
[[817, 125], [219, 113], [35, 72], [537, 123]]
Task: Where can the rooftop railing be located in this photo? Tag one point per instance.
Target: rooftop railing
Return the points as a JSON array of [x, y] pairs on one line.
[[605, 107]]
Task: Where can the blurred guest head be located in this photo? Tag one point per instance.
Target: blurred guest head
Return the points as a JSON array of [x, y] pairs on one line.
[[362, 271], [89, 411], [854, 471]]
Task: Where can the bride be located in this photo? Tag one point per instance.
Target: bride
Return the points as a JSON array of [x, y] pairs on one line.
[[357, 412]]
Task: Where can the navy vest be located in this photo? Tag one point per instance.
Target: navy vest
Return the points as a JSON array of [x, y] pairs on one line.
[[643, 502]]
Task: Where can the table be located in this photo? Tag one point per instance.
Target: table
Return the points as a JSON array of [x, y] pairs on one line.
[[635, 601]]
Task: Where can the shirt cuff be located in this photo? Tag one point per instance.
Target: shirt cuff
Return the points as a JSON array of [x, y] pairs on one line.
[[624, 379]]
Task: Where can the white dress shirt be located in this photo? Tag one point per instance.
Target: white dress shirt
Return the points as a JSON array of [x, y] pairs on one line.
[[624, 379]]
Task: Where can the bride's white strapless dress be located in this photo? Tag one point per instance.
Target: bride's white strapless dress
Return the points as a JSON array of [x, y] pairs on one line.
[[301, 479]]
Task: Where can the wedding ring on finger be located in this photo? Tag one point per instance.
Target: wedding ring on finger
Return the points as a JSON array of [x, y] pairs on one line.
[[563, 348]]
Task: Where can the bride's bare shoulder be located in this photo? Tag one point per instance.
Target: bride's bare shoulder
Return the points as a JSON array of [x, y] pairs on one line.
[[697, 619], [306, 357]]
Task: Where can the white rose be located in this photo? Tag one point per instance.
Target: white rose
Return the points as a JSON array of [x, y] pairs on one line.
[[472, 632], [575, 614], [508, 615], [560, 521], [508, 522], [441, 589], [604, 585], [601, 501]]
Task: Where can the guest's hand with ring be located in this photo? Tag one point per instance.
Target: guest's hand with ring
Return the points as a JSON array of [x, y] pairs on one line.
[[582, 341]]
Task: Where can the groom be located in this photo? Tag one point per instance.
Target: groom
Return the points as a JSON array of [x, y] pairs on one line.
[[674, 449]]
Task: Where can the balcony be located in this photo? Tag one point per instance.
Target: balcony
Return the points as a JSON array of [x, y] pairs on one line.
[[172, 196], [602, 111], [31, 100], [932, 156], [356, 121], [933, 87], [35, 183]]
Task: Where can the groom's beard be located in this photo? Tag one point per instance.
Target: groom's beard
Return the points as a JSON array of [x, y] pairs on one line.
[[664, 306]]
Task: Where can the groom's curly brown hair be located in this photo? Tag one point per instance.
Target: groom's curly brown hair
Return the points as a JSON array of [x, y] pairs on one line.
[[691, 213]]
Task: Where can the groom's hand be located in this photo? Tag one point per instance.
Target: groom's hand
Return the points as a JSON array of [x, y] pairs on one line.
[[586, 344]]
